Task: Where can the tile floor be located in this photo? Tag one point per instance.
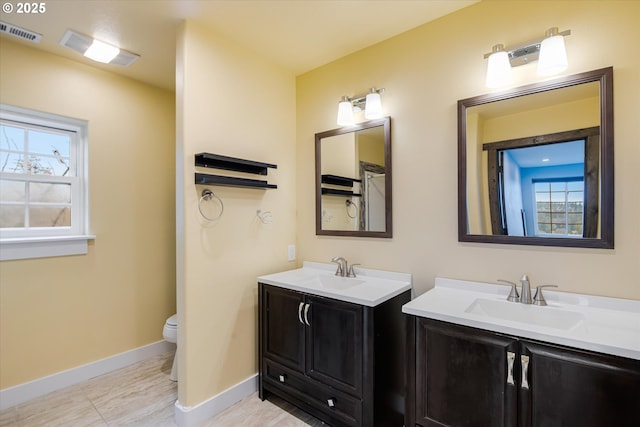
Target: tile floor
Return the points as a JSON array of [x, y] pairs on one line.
[[141, 395]]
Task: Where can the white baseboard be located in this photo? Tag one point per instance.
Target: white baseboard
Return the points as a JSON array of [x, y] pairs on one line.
[[24, 392], [194, 416]]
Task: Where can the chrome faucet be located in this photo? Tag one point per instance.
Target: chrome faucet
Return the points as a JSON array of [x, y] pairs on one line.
[[343, 266], [525, 290]]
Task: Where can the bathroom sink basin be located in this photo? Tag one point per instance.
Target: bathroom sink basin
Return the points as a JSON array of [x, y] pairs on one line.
[[337, 282], [548, 317]]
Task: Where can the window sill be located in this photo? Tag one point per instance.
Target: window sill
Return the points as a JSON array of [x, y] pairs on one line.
[[43, 247]]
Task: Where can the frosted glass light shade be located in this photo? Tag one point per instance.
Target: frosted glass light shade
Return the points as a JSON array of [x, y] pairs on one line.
[[373, 109], [101, 52], [345, 113], [498, 70], [553, 56]]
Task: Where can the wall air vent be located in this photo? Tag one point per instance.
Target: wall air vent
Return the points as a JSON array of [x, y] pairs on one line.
[[20, 33], [80, 43]]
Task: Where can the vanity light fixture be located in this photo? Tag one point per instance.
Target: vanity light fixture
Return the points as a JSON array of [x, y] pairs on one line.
[[370, 103], [345, 112], [553, 54], [499, 68], [549, 51], [97, 50]]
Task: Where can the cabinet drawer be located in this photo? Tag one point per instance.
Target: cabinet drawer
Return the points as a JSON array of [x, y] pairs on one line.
[[335, 404]]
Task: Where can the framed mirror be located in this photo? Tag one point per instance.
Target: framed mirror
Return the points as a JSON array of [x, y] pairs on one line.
[[535, 164], [353, 180]]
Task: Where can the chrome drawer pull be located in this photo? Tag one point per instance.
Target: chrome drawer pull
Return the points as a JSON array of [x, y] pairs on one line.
[[511, 357], [525, 369], [331, 403], [282, 378], [306, 313], [300, 312]]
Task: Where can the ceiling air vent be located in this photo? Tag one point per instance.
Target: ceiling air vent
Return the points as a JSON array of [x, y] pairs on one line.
[[20, 33], [80, 43]]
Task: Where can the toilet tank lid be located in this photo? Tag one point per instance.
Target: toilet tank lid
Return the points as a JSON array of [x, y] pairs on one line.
[[173, 320]]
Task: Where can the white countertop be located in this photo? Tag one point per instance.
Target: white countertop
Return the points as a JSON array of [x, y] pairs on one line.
[[369, 287], [601, 324]]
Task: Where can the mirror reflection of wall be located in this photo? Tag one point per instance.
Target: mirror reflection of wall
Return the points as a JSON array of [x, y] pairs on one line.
[[353, 193], [357, 157], [339, 155], [511, 155]]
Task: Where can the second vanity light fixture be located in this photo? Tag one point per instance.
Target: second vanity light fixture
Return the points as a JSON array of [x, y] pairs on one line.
[[370, 103], [549, 51]]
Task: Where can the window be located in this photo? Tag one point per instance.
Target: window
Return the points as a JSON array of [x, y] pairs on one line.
[[559, 207], [43, 200]]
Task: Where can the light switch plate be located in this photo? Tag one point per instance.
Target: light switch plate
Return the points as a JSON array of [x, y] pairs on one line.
[[291, 253]]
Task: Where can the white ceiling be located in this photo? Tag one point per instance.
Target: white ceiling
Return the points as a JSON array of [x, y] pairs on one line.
[[298, 34]]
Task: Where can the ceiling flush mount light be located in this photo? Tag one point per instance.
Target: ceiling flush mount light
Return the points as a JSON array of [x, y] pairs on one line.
[[370, 103], [101, 52], [97, 50], [549, 51]]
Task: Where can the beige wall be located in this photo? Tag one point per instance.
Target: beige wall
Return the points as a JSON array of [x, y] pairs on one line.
[[425, 71], [59, 313], [231, 102]]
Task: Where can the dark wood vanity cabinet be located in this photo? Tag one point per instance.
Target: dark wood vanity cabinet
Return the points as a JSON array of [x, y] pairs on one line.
[[462, 376], [339, 361]]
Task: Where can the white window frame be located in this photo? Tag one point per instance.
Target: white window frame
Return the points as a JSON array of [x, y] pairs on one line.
[[566, 213], [52, 241]]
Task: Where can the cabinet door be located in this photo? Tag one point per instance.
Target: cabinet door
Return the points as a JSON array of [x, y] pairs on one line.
[[568, 387], [334, 344], [463, 376], [283, 332]]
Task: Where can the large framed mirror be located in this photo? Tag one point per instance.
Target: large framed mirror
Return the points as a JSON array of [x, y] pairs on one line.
[[353, 180], [535, 164]]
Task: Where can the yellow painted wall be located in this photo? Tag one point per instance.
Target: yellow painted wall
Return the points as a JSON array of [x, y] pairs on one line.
[[231, 102], [425, 71], [63, 312]]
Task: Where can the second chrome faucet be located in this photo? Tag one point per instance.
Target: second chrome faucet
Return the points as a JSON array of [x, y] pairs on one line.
[[524, 296], [344, 270]]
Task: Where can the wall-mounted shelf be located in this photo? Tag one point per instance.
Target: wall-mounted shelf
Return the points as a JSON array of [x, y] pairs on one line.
[[342, 181], [216, 161], [230, 181], [335, 192]]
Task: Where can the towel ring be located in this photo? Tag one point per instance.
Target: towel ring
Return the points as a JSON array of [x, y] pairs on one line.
[[208, 195], [348, 204]]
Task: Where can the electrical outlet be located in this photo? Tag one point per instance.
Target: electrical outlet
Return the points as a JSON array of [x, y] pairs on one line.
[[291, 253]]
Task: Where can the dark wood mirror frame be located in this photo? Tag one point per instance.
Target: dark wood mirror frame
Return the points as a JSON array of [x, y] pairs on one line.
[[605, 241], [388, 232]]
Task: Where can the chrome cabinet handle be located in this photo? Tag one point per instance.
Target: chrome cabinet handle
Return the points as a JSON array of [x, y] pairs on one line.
[[300, 312], [511, 357], [282, 378], [525, 370], [306, 313], [331, 403]]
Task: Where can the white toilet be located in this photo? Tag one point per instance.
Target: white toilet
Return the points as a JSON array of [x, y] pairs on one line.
[[170, 334]]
